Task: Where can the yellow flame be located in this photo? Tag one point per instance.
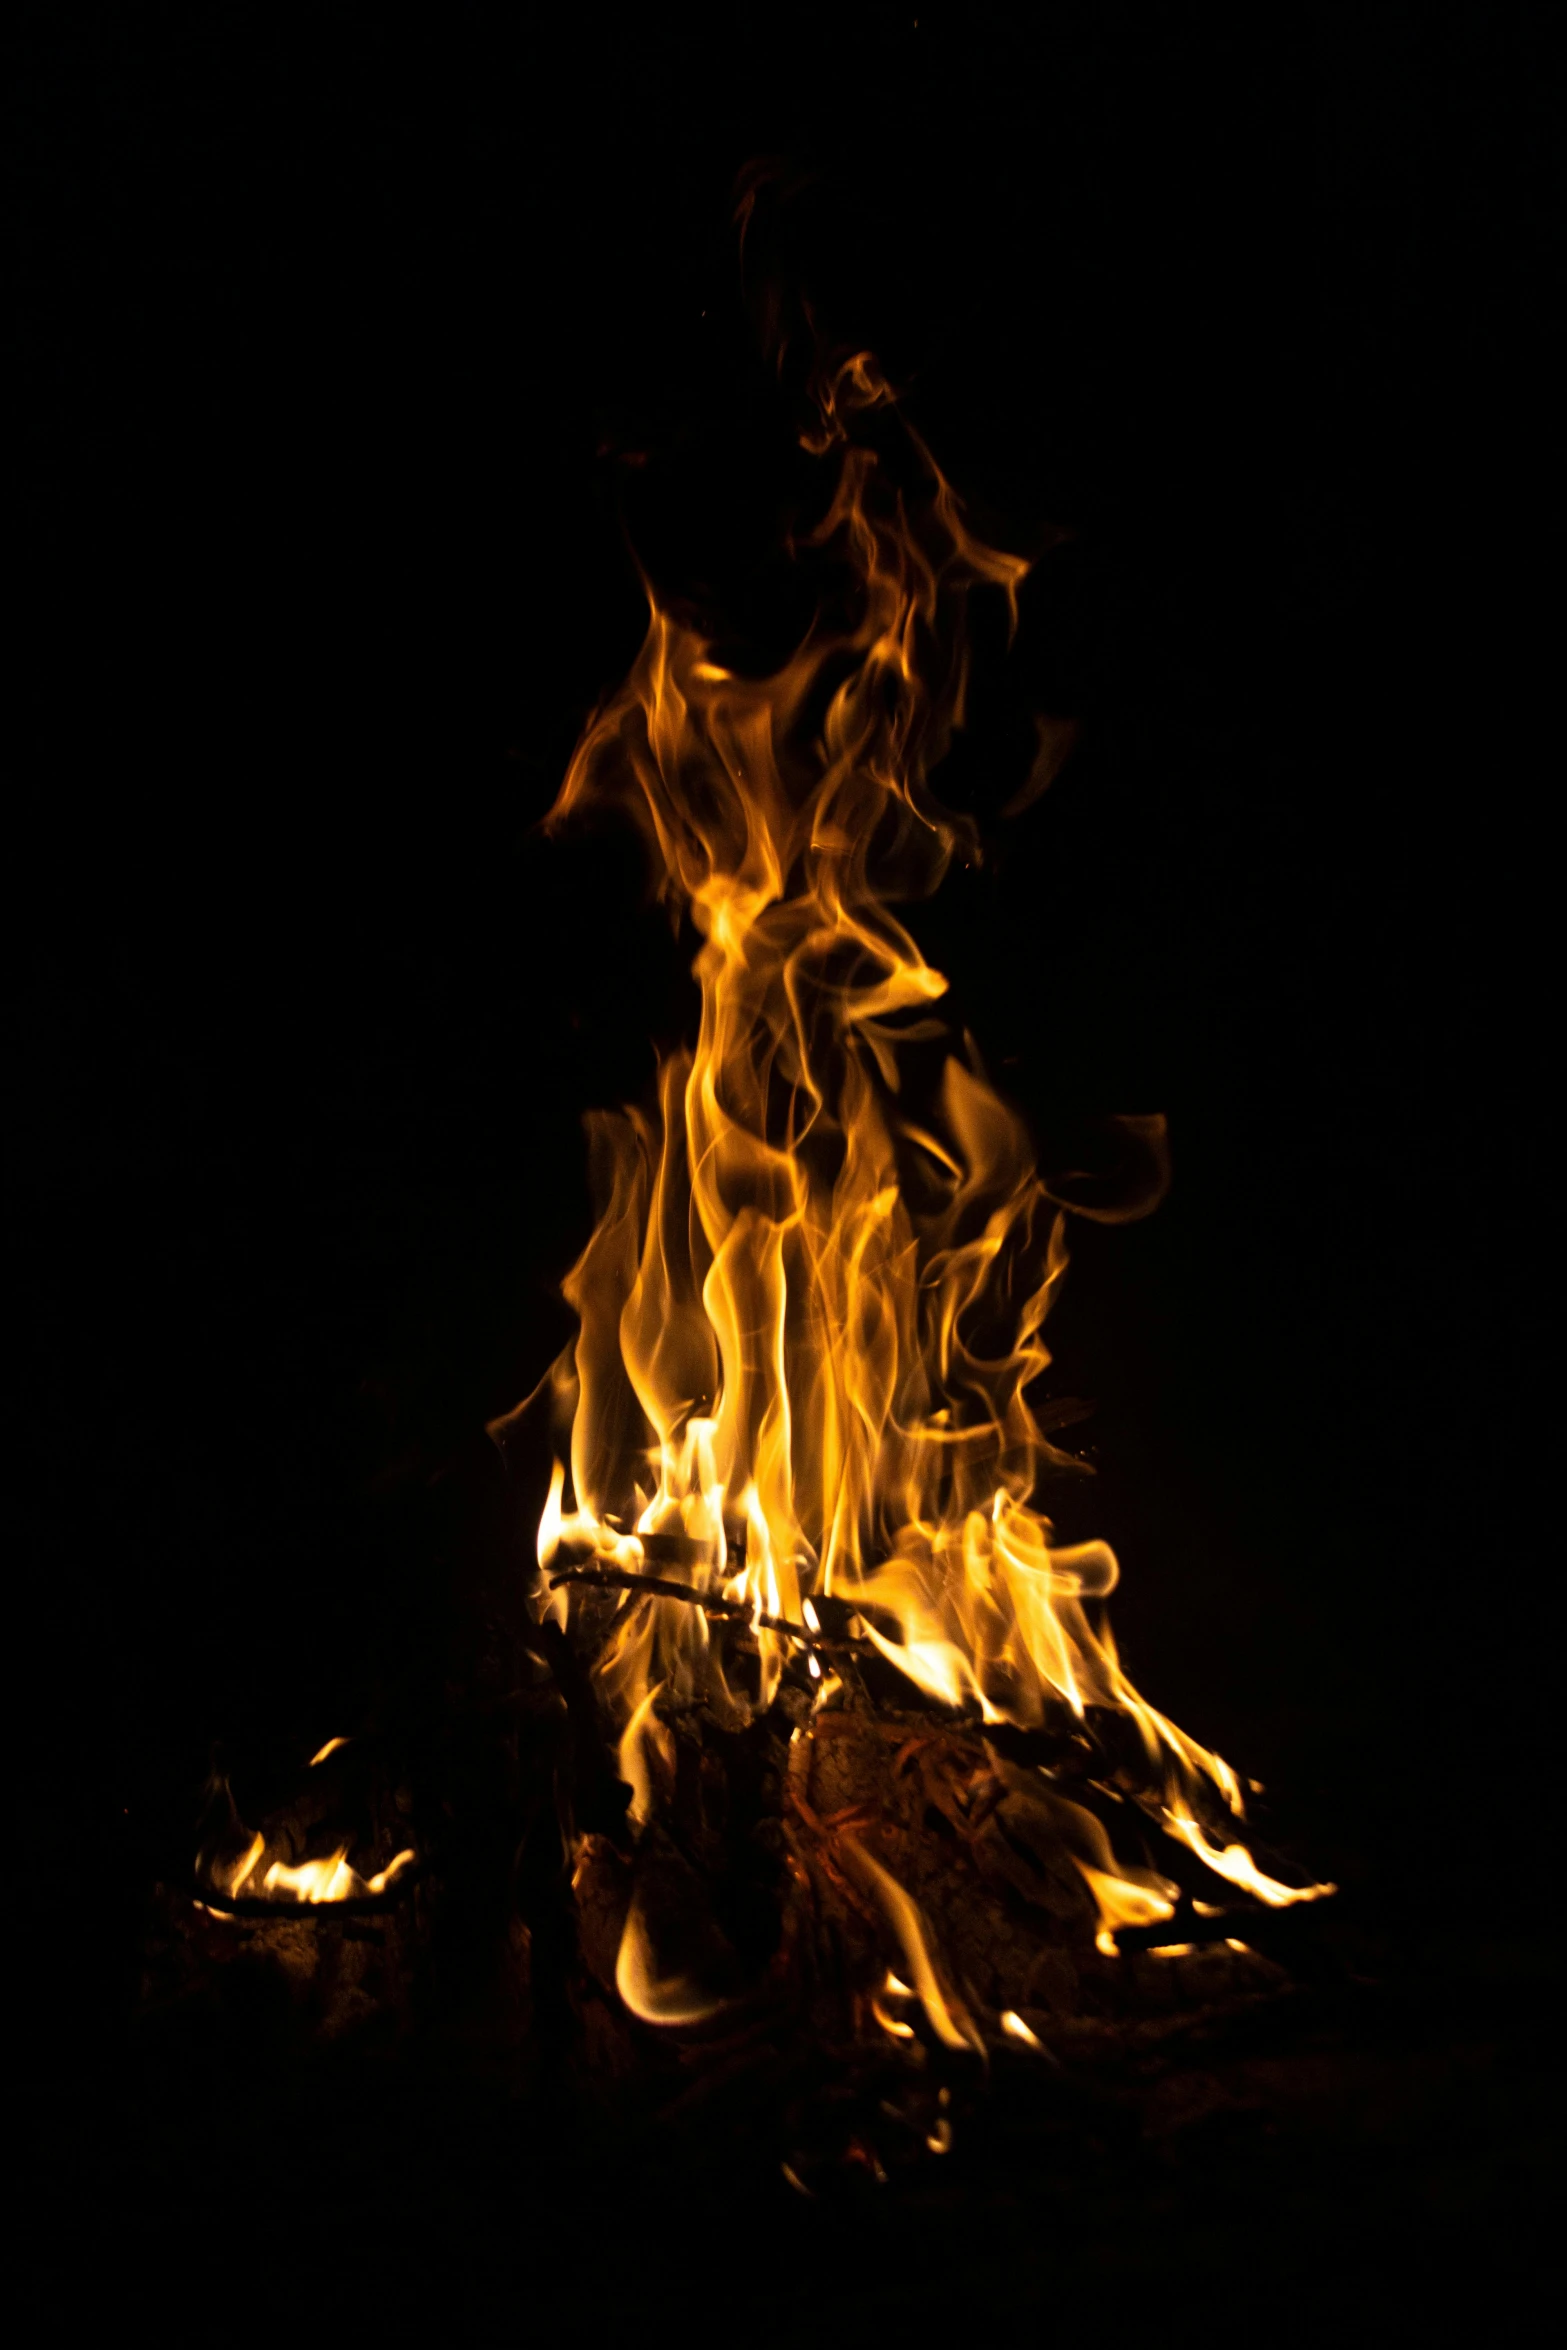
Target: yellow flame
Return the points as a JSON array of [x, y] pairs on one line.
[[1234, 1862], [230, 1857], [892, 1988], [232, 1879], [654, 1997], [891, 2023], [644, 1740], [1122, 1903], [811, 1313], [331, 1880], [949, 2019]]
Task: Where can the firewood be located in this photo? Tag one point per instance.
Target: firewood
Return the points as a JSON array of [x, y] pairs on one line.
[[734, 1611]]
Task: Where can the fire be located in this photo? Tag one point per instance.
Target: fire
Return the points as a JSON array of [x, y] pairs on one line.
[[812, 1311], [311, 1881], [233, 1864]]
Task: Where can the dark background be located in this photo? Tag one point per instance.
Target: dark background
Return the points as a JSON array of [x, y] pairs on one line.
[[337, 340]]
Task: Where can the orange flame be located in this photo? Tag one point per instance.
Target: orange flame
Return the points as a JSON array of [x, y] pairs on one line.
[[811, 1314]]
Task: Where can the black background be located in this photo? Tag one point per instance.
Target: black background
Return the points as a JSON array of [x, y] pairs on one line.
[[337, 338]]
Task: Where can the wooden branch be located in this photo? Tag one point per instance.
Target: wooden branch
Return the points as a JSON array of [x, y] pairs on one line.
[[657, 1587], [731, 1611]]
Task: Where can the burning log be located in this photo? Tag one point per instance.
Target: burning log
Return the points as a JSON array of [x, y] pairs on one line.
[[336, 1971], [302, 1854]]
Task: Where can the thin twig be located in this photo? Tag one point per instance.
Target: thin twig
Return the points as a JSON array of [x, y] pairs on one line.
[[732, 1611], [657, 1587]]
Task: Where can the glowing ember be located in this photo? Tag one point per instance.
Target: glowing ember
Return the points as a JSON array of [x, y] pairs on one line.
[[812, 1311]]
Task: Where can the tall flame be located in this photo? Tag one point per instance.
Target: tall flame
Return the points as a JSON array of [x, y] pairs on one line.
[[812, 1310]]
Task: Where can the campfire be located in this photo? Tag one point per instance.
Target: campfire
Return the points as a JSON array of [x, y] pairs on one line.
[[794, 1534], [837, 1752]]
